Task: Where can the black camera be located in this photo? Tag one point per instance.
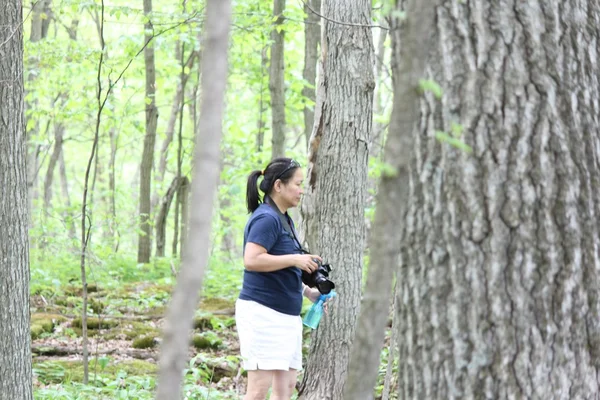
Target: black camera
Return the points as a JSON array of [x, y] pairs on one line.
[[319, 278]]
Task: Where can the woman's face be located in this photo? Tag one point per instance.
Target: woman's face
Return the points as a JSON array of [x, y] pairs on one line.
[[291, 192]]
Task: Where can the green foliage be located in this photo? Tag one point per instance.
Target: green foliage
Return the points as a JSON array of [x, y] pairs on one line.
[[428, 85], [454, 138]]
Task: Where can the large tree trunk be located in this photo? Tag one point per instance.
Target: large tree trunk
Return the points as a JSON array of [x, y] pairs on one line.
[[206, 174], [333, 212], [276, 81], [500, 280], [145, 237], [312, 36], [15, 350], [392, 198]]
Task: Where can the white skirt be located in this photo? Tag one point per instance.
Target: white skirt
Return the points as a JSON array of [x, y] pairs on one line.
[[269, 340]]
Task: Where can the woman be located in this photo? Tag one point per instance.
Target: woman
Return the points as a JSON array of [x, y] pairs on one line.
[[268, 308]]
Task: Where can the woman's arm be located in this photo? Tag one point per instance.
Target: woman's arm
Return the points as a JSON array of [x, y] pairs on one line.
[[257, 259]]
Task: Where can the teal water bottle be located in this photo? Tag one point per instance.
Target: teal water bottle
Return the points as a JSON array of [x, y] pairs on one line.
[[313, 316]]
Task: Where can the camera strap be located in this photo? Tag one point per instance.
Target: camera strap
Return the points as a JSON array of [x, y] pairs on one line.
[[286, 222]]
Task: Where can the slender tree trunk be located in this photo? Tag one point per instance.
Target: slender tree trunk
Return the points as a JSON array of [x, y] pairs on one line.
[[260, 132], [112, 188], [56, 152], [15, 343], [145, 237], [36, 34], [500, 277], [392, 198], [312, 36], [161, 219], [184, 195], [337, 180], [176, 109], [379, 109], [64, 184], [206, 173], [276, 81]]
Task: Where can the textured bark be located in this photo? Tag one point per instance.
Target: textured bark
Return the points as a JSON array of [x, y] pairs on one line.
[[145, 237], [15, 351], [392, 198], [178, 323], [500, 280], [333, 208], [276, 81], [312, 36]]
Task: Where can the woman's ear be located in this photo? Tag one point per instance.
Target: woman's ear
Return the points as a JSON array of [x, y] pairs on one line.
[[277, 185]]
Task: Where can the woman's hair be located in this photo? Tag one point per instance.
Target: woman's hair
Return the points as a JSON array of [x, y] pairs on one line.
[[279, 168]]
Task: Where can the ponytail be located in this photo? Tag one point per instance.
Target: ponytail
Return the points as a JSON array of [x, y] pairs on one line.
[[253, 199], [279, 168]]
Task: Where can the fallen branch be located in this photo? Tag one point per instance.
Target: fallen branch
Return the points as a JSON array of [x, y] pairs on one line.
[[45, 350]]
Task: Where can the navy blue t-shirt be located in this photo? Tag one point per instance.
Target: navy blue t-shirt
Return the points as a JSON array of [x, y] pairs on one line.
[[280, 290]]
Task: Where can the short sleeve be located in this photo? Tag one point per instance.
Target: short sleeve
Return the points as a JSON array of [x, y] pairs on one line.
[[264, 230]]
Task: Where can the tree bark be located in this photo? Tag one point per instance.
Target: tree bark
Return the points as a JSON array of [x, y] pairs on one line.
[[56, 152], [500, 280], [182, 215], [206, 174], [161, 218], [276, 81], [15, 350], [312, 36], [145, 237], [333, 208], [392, 198]]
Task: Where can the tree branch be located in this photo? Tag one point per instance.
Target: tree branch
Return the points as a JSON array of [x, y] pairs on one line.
[[340, 22]]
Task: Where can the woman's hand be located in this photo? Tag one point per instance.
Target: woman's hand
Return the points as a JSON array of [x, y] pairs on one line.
[[313, 295], [306, 262]]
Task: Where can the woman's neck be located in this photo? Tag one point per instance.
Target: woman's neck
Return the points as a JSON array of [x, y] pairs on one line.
[[278, 203]]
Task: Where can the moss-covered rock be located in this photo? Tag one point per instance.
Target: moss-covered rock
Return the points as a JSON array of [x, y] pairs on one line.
[[68, 301], [136, 329], [44, 323], [95, 323], [203, 322], [36, 331], [145, 342], [77, 291], [216, 304], [97, 306], [207, 340]]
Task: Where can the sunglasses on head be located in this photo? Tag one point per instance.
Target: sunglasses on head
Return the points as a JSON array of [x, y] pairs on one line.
[[293, 164]]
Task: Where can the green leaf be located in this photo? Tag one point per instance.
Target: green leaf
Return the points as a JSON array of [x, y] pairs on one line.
[[429, 85], [456, 129], [103, 361], [388, 171], [454, 142]]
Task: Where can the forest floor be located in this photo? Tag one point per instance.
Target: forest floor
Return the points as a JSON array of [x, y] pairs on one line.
[[124, 329]]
